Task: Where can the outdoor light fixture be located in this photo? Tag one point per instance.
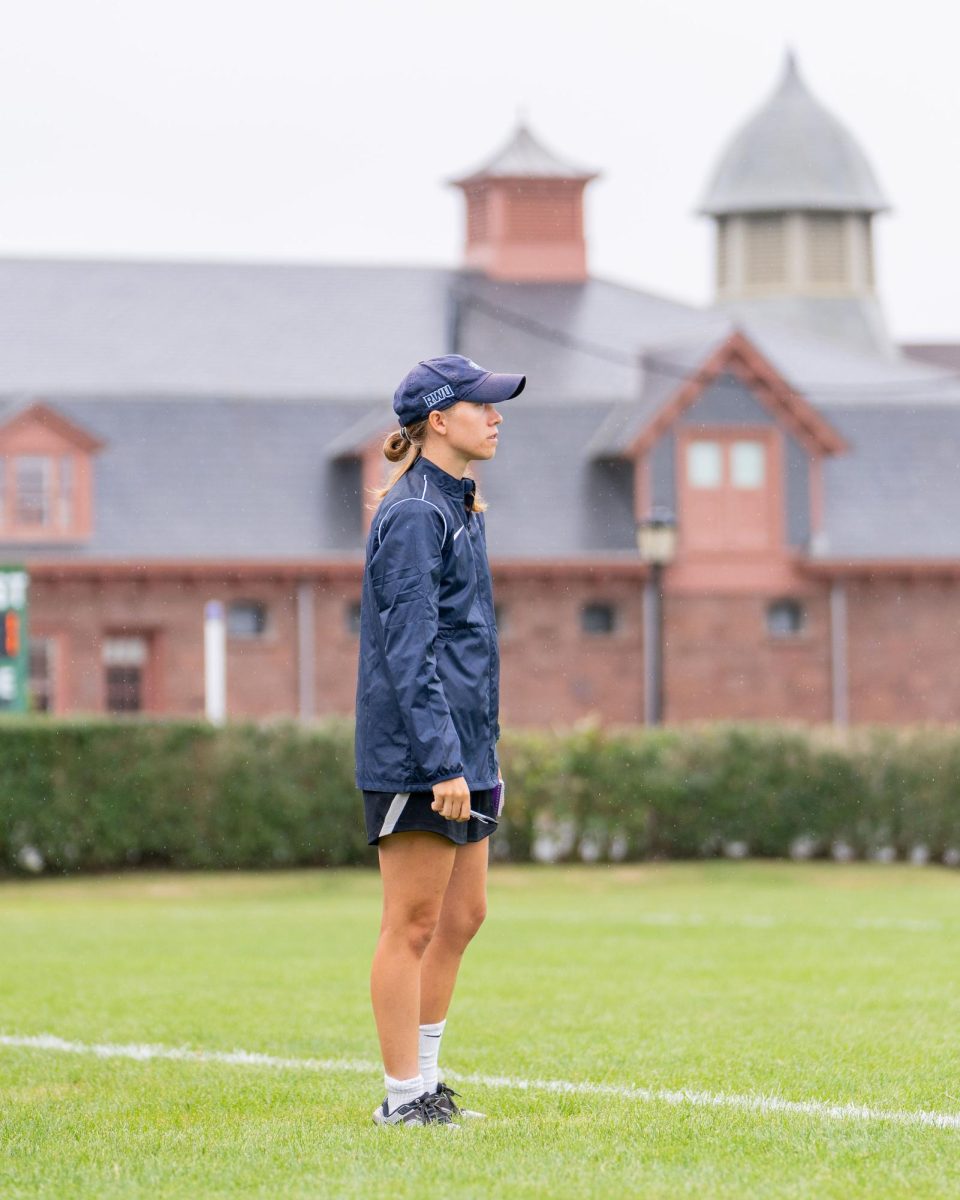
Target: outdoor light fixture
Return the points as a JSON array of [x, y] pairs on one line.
[[657, 536]]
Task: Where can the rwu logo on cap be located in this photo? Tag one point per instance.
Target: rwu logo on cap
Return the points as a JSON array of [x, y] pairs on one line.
[[442, 393]]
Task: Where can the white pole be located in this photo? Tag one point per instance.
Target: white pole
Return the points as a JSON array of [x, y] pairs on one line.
[[840, 679], [215, 661], [306, 650]]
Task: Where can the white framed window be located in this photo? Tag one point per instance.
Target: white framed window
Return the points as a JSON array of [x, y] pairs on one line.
[[125, 661], [748, 464], [32, 475], [704, 464]]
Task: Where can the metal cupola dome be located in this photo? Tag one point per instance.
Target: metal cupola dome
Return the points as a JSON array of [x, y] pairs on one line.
[[793, 155]]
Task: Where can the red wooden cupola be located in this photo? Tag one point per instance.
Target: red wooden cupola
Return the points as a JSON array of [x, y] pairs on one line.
[[46, 476], [525, 214]]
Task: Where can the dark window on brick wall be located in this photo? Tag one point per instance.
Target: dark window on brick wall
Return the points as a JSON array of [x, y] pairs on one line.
[[785, 618], [125, 662], [353, 618], [501, 618], [598, 618], [246, 619]]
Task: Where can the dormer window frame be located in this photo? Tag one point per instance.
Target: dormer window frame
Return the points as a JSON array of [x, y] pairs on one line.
[[722, 495], [45, 478]]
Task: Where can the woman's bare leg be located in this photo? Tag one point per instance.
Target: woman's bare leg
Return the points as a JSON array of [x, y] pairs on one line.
[[461, 915], [415, 868]]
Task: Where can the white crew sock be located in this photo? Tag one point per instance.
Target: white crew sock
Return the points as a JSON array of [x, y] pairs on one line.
[[402, 1091], [430, 1036]]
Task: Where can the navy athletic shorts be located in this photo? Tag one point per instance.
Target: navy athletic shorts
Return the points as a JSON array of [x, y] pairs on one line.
[[400, 812]]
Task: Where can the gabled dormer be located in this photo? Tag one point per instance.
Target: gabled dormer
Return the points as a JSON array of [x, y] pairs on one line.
[[737, 454], [358, 468], [46, 476]]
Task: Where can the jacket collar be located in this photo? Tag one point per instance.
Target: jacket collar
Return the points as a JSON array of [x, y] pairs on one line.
[[458, 489]]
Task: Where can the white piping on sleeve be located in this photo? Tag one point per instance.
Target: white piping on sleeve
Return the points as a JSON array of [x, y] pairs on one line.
[[421, 498]]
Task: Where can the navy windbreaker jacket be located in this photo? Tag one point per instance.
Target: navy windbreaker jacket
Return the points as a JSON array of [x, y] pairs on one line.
[[428, 686]]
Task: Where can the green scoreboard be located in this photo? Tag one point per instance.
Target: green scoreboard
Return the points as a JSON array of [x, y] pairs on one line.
[[14, 668]]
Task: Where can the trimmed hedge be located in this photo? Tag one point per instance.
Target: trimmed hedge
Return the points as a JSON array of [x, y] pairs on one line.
[[96, 794]]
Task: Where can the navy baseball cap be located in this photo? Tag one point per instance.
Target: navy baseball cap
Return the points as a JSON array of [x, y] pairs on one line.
[[437, 383]]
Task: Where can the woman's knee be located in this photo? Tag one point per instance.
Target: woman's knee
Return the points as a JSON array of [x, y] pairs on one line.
[[459, 925], [414, 927]]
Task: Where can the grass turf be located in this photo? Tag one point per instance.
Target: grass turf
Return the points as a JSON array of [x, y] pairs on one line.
[[808, 982]]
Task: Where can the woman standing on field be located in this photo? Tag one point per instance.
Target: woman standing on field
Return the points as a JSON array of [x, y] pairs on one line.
[[428, 695]]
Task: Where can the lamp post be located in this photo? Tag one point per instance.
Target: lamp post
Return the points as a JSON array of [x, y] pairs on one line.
[[657, 543]]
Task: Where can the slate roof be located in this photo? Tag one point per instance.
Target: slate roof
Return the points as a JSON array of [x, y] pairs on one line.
[[183, 328], [854, 320], [897, 494], [792, 154], [232, 397]]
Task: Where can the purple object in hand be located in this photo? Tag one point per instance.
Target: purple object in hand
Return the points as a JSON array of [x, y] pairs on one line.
[[498, 793]]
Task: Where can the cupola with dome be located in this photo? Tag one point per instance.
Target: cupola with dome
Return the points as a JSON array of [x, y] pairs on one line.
[[793, 198]]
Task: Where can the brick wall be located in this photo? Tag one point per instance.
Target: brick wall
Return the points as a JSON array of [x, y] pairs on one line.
[[904, 645], [720, 660], [261, 675], [552, 673]]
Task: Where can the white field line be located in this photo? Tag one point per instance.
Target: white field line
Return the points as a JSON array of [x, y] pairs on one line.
[[247, 1058]]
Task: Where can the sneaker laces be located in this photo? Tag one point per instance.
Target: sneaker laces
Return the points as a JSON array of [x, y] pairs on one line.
[[431, 1109], [447, 1093]]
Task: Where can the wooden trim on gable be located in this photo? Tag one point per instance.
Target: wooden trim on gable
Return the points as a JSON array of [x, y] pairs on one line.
[[48, 418], [738, 356]]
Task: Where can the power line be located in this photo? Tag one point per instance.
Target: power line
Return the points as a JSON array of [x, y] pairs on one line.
[[551, 333], [646, 361]]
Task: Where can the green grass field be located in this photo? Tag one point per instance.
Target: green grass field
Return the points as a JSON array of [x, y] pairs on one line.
[[814, 982]]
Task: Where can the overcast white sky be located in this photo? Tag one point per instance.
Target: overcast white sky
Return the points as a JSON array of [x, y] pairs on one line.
[[323, 130]]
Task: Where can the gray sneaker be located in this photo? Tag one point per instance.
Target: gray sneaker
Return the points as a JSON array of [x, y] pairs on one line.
[[425, 1110], [443, 1098]]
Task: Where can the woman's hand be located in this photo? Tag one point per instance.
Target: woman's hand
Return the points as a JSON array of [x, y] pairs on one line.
[[451, 799]]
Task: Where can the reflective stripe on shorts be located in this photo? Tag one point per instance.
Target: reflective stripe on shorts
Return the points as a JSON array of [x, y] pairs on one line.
[[394, 813]]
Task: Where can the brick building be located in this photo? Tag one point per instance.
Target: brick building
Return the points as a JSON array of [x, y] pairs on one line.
[[172, 433]]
